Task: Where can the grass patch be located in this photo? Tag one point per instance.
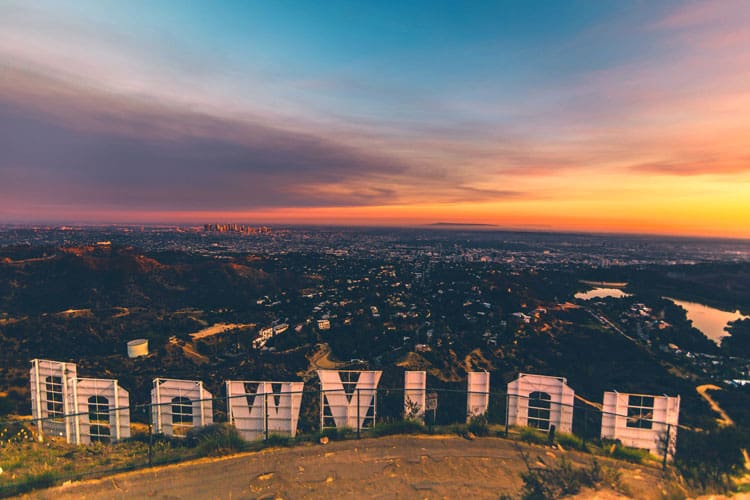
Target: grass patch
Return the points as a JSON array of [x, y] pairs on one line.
[[280, 441], [570, 441], [533, 436], [457, 429], [216, 440], [477, 426], [334, 434], [398, 427], [43, 480], [620, 452], [30, 465], [30, 482]]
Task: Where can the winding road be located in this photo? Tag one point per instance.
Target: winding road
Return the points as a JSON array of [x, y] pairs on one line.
[[725, 420]]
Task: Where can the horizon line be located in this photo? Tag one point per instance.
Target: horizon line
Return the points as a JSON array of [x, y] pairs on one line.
[[435, 226]]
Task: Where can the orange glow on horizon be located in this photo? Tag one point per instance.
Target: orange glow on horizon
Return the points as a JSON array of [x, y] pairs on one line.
[[711, 206], [723, 218]]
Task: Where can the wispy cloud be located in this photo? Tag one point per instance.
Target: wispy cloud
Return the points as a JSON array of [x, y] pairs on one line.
[[715, 166]]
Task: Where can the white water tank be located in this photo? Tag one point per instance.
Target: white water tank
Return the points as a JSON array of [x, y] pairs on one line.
[[137, 347]]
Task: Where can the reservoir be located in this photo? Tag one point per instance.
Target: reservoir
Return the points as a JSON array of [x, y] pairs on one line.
[[709, 320]]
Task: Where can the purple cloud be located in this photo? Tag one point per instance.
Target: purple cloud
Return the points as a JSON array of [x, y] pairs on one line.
[[72, 146]]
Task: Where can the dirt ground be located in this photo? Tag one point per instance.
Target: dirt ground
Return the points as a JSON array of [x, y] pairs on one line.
[[390, 467]]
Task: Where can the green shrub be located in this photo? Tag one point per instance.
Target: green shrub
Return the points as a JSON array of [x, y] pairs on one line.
[[533, 436], [552, 482], [14, 432], [335, 433], [570, 441], [628, 454], [279, 440], [346, 433], [478, 426], [42, 480], [30, 482], [399, 427], [216, 439], [164, 441], [709, 460], [562, 479], [412, 409]]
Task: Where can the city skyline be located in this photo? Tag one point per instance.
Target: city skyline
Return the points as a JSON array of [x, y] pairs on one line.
[[560, 116]]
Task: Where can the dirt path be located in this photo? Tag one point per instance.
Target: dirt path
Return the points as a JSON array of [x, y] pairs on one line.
[[321, 359], [725, 420], [390, 467], [122, 312]]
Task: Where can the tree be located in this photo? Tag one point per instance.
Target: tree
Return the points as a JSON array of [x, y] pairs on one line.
[[738, 342], [707, 460]]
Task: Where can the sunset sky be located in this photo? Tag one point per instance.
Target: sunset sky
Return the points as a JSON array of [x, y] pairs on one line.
[[623, 116]]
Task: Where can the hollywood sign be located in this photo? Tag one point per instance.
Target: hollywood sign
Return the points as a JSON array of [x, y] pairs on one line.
[[84, 410], [179, 405], [80, 409], [264, 407]]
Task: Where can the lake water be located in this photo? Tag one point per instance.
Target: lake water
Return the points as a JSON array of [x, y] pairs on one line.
[[600, 293], [709, 320]]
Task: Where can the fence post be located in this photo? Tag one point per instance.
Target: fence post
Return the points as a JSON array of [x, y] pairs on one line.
[[507, 408], [585, 424], [434, 415], [38, 392], [666, 447], [359, 425], [265, 408], [150, 436]]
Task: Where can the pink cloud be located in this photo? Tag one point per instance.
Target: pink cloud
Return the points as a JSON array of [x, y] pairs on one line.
[[695, 167]]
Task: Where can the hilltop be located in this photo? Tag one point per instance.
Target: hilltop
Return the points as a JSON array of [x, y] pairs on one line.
[[388, 467], [48, 280]]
